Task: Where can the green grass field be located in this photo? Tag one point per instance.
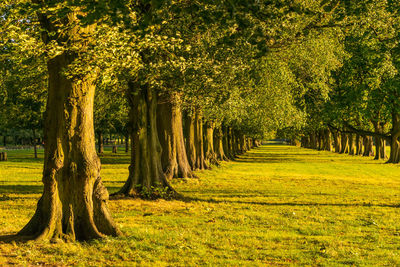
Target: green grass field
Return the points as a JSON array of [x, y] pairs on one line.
[[275, 205]]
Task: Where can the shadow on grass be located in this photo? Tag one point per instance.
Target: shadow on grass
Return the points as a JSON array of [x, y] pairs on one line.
[[309, 204], [122, 158], [21, 189], [278, 153], [37, 189]]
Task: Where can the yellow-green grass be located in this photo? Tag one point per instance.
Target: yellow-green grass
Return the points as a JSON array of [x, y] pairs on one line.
[[275, 205]]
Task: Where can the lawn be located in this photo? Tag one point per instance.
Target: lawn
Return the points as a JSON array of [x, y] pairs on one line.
[[275, 205]]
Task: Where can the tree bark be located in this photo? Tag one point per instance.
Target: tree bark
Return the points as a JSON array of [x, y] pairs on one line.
[[190, 139], [146, 176], [74, 201], [358, 144], [226, 143], [219, 144], [174, 159], [328, 141], [336, 138], [394, 140], [352, 149], [368, 146], [380, 149], [201, 164], [210, 155]]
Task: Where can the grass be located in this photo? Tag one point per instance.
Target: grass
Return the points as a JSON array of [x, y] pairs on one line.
[[276, 205]]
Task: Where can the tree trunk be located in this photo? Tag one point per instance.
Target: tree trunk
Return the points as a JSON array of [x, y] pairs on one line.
[[358, 144], [394, 142], [368, 146], [199, 142], [100, 141], [174, 159], [313, 140], [219, 144], [146, 176], [344, 143], [226, 142], [74, 201], [380, 149], [190, 139], [328, 141], [336, 138], [352, 149], [127, 143], [242, 143], [210, 156]]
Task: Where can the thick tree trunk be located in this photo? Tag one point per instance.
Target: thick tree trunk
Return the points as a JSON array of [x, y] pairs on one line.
[[368, 146], [380, 149], [394, 142], [344, 143], [235, 143], [146, 176], [210, 155], [219, 144], [336, 138], [313, 140], [226, 143], [352, 148], [174, 158], [320, 140], [249, 143], [394, 149], [190, 139], [74, 201], [100, 142], [242, 143], [358, 144], [328, 141]]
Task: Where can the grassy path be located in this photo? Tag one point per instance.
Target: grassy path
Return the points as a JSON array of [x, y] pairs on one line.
[[277, 205]]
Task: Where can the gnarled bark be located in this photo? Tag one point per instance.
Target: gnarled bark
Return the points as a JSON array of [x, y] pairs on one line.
[[174, 159], [146, 176], [73, 205]]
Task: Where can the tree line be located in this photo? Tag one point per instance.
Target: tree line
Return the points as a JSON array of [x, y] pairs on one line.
[[186, 83]]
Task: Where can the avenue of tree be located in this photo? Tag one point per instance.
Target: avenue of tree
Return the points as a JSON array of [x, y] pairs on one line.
[[184, 85]]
